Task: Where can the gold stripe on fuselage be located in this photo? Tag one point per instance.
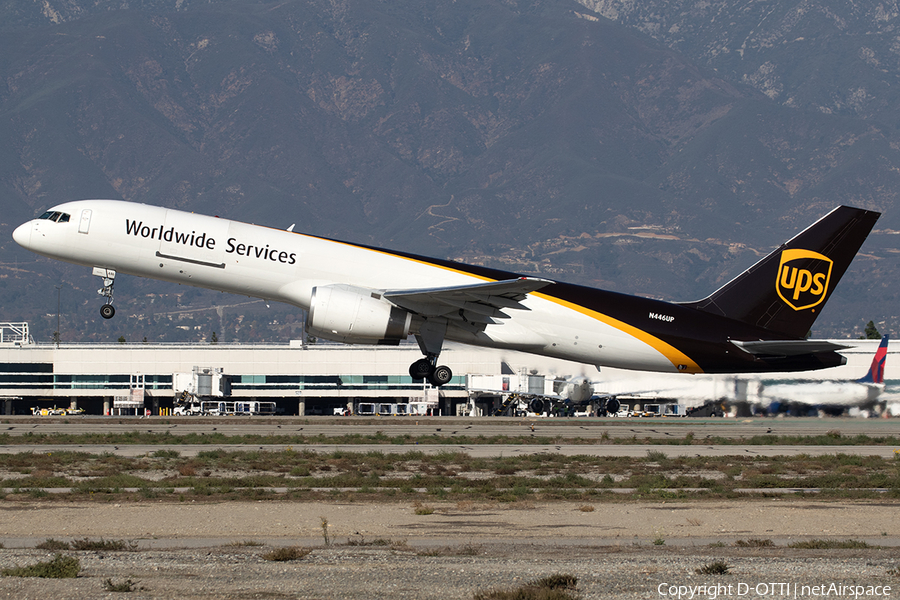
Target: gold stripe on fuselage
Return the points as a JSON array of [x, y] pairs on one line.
[[673, 354]]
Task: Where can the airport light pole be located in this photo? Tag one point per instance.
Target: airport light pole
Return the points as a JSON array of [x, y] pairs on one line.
[[57, 314]]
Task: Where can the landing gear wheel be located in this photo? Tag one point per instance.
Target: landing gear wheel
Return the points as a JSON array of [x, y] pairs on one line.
[[441, 375], [109, 279], [612, 406], [421, 369], [107, 311]]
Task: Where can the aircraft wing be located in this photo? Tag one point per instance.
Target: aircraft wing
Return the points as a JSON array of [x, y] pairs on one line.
[[480, 303], [787, 347]]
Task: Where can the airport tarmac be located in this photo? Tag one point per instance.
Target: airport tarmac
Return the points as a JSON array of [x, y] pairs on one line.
[[448, 427], [478, 437], [474, 450]]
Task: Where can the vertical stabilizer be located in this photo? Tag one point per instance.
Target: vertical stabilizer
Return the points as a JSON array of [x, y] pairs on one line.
[[876, 371], [785, 291]]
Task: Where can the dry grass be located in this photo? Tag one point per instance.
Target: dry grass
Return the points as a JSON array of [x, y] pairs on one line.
[[244, 544], [286, 553], [554, 587], [471, 483], [123, 586], [61, 567], [465, 550], [422, 509], [819, 544], [53, 545], [718, 567], [754, 543], [86, 544]]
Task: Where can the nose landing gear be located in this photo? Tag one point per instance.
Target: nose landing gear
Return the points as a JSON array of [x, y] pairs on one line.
[[107, 311]]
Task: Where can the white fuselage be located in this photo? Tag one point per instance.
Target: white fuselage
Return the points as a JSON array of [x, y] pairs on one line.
[[822, 393], [235, 257]]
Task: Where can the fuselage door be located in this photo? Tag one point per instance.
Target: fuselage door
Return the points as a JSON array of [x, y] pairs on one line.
[[189, 238], [85, 223]]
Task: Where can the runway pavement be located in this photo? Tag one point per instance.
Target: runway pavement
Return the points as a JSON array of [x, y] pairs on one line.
[[594, 437], [570, 428], [474, 450]]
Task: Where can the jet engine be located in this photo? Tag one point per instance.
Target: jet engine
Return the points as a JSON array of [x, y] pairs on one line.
[[579, 390], [612, 406], [355, 315]]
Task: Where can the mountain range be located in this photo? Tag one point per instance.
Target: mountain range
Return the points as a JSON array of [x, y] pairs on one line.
[[654, 148]]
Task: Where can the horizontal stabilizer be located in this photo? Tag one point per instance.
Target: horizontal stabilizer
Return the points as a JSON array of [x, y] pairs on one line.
[[787, 347]]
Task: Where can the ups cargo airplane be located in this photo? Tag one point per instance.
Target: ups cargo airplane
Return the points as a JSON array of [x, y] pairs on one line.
[[360, 294]]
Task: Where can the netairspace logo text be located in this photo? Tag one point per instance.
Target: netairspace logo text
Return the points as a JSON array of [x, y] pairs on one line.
[[712, 591]]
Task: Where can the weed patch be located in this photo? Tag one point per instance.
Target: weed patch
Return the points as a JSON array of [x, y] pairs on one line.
[[61, 567], [244, 544], [285, 554], [123, 586], [361, 541], [448, 476], [553, 587], [423, 509], [718, 567], [819, 544], [753, 543], [53, 545], [467, 550], [102, 545]]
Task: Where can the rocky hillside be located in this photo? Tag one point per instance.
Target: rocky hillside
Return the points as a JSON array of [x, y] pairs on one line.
[[652, 148]]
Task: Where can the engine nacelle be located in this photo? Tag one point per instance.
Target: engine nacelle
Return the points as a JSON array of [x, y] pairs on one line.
[[354, 315], [536, 406], [579, 390], [612, 406]]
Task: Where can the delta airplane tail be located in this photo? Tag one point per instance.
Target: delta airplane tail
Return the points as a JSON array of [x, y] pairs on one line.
[[876, 371]]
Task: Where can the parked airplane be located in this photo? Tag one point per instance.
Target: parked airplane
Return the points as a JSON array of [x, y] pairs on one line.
[[826, 394], [360, 294]]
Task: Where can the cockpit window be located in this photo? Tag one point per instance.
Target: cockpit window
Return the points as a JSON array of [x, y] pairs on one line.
[[54, 215]]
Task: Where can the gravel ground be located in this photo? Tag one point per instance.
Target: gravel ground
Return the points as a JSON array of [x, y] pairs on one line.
[[384, 573], [190, 551]]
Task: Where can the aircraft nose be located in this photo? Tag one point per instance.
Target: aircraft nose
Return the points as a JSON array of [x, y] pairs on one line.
[[22, 234]]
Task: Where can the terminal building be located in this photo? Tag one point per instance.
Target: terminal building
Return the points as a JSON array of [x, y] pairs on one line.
[[328, 379], [133, 378]]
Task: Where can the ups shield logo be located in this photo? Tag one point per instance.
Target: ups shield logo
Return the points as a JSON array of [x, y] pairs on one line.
[[803, 277]]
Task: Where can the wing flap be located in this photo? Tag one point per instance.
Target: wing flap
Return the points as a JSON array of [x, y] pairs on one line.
[[478, 303], [787, 347]]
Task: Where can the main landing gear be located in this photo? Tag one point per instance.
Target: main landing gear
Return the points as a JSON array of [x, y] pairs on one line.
[[427, 368], [430, 339], [107, 311]]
